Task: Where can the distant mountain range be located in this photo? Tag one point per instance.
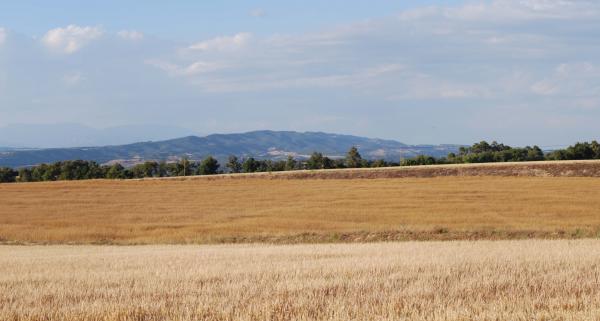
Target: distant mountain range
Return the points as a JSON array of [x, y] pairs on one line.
[[258, 144]]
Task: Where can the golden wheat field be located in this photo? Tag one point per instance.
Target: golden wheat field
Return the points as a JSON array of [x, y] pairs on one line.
[[456, 280], [298, 210], [492, 279]]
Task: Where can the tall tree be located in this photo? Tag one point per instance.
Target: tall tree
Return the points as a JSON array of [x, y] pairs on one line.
[[184, 167], [353, 158], [291, 164], [233, 164], [315, 161], [208, 166]]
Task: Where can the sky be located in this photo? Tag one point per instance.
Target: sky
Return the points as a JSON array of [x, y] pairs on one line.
[[521, 72]]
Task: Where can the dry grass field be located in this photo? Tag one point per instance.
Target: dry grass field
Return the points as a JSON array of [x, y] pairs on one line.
[[455, 280], [463, 280], [261, 209]]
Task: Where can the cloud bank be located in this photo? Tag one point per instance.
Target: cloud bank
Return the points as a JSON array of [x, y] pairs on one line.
[[523, 71], [71, 38]]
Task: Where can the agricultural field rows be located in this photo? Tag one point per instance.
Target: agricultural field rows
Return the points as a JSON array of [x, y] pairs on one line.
[[259, 209], [456, 280]]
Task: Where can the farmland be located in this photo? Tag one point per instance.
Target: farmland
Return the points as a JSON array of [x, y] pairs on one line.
[[464, 280], [330, 206], [504, 242]]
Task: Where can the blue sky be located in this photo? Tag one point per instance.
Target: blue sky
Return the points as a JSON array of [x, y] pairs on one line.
[[517, 71], [190, 20]]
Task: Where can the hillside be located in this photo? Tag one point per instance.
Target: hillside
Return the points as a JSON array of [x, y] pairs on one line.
[[260, 144]]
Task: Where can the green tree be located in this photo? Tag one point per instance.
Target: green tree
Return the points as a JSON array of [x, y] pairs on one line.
[[79, 169], [184, 167], [163, 169], [278, 166], [419, 160], [233, 164], [534, 153], [379, 163], [328, 163], [339, 163], [146, 169], [116, 171], [8, 175], [25, 175], [291, 164], [353, 158], [48, 172], [315, 161], [208, 166], [250, 165], [595, 149], [172, 169]]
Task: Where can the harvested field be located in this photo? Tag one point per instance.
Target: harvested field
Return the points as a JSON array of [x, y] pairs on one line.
[[259, 209], [483, 280]]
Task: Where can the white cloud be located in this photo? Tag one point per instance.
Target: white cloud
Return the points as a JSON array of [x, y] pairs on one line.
[[544, 88], [576, 79], [384, 69], [469, 51], [223, 43], [2, 36], [168, 67], [576, 69], [200, 67], [195, 68], [506, 10], [71, 38], [541, 58], [491, 17], [360, 80], [131, 35]]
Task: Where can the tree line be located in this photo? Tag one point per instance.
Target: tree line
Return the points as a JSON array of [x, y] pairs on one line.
[[81, 169], [482, 152]]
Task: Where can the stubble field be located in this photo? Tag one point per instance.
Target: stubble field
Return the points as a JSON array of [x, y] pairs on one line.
[[457, 280], [479, 278], [259, 209]]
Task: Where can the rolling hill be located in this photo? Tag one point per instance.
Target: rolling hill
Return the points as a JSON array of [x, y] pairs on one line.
[[259, 144]]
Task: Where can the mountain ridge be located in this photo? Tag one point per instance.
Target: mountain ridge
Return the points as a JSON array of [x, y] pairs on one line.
[[264, 144]]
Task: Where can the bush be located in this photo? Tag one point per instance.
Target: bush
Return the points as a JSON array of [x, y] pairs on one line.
[[8, 175]]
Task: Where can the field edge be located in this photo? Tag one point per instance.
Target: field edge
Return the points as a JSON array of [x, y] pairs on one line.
[[435, 234]]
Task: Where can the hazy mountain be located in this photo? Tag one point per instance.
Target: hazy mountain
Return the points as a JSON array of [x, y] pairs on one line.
[[74, 135], [259, 144]]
